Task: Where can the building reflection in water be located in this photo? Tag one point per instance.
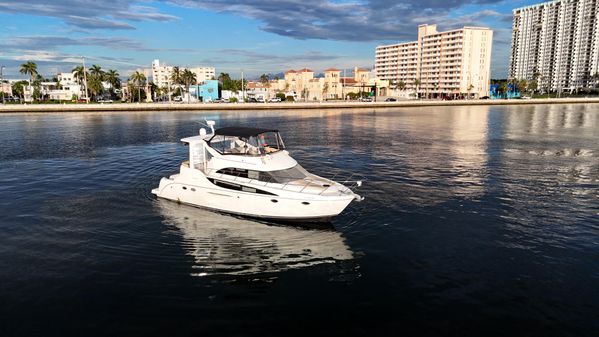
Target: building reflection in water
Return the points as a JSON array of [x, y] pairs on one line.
[[433, 155], [553, 143], [222, 244]]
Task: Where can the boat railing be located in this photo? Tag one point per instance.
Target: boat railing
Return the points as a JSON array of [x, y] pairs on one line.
[[349, 181]]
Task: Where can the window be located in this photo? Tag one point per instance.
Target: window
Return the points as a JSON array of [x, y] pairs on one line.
[[238, 187], [264, 143], [281, 176]]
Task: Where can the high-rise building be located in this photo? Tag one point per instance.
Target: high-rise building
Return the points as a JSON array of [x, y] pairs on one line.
[[556, 44], [440, 64]]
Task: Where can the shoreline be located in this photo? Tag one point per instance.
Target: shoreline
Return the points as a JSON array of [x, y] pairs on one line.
[[100, 107]]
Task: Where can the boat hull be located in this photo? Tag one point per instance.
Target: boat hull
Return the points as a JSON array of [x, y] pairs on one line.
[[287, 206]]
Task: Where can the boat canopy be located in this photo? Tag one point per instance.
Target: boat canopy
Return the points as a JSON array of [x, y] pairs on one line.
[[246, 141], [242, 132]]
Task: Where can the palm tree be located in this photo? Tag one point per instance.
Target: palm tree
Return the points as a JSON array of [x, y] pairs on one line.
[[224, 77], [176, 75], [112, 77], [188, 77], [523, 85], [416, 84], [470, 87], [29, 68], [94, 83], [264, 78], [79, 76], [503, 88], [97, 71], [78, 73], [138, 79]]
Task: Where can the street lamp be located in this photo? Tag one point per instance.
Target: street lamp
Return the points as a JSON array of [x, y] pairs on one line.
[[2, 83]]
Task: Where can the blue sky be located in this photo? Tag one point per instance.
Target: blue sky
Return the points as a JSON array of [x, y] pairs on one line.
[[267, 36]]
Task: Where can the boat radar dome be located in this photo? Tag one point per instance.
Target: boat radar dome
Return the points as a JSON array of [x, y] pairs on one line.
[[202, 132]]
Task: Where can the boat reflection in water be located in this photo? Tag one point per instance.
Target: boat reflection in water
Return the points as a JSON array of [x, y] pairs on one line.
[[223, 244]]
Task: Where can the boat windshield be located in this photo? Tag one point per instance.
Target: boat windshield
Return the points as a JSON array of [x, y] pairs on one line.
[[260, 144]]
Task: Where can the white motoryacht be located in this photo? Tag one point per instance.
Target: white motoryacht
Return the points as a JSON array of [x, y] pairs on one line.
[[247, 171]]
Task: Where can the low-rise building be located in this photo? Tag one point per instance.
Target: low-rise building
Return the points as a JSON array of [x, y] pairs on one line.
[[205, 92], [302, 85], [258, 90], [6, 89]]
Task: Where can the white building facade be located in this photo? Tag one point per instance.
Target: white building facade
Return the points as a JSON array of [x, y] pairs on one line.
[[440, 64], [556, 44], [161, 73]]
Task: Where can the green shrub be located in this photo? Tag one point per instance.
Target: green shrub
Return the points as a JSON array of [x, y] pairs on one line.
[[233, 100]]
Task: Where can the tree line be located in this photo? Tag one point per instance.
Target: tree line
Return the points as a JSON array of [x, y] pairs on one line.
[[95, 75]]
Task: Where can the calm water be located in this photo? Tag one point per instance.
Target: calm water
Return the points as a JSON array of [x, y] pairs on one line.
[[478, 221]]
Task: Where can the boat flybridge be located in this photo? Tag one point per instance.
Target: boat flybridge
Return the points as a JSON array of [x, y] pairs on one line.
[[247, 171]]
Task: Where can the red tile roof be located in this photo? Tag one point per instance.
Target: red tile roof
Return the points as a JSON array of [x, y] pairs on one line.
[[348, 80], [332, 69]]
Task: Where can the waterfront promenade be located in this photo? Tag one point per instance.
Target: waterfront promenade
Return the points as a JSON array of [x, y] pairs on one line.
[[93, 107]]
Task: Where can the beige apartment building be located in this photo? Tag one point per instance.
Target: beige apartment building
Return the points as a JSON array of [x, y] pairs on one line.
[[455, 63], [304, 86], [204, 73], [333, 85]]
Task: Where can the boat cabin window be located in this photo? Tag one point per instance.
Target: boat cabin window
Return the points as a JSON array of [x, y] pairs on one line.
[[280, 176], [252, 145], [237, 187]]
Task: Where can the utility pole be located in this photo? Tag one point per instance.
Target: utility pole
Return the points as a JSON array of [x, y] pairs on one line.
[[85, 80], [242, 88], [343, 85], [2, 83]]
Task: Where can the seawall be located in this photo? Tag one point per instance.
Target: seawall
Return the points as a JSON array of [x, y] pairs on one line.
[[92, 107]]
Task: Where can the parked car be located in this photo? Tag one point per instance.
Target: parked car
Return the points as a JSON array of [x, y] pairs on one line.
[[105, 101], [485, 97], [525, 97], [178, 99], [365, 99], [391, 99], [275, 100]]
